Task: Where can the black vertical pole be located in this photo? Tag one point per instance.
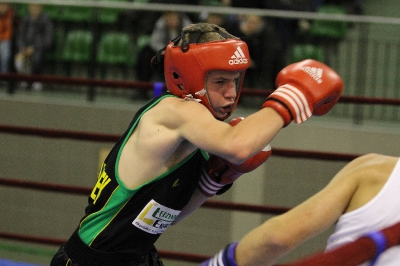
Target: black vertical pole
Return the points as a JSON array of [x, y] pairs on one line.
[[92, 64]]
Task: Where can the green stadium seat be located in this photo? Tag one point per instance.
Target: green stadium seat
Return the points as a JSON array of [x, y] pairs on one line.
[[300, 52], [114, 48], [78, 46], [329, 28], [77, 51]]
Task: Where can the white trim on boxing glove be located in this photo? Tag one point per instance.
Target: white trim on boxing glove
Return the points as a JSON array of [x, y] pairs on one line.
[[297, 101], [208, 186]]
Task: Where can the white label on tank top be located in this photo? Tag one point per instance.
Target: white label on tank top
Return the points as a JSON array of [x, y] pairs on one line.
[[155, 218]]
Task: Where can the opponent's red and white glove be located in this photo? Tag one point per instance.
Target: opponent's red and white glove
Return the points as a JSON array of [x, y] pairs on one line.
[[218, 172], [303, 89]]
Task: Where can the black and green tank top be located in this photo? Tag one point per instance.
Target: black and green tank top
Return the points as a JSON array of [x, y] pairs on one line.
[[118, 219]]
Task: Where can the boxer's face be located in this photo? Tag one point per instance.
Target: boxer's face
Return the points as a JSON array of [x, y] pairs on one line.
[[222, 88]]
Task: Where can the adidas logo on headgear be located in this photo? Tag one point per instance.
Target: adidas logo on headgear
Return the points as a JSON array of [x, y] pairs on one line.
[[238, 58], [315, 73]]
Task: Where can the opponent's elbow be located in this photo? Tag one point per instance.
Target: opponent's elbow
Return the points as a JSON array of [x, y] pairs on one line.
[[278, 244], [278, 240]]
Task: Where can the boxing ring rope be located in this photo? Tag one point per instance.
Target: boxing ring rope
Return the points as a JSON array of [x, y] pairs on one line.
[[363, 246], [354, 253], [78, 190], [91, 82], [101, 137]]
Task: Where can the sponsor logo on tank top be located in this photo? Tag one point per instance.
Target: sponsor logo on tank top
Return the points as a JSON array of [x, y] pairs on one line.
[[155, 218]]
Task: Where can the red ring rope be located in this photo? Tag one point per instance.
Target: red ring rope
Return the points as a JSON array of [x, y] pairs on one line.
[[150, 85], [101, 137], [86, 191], [354, 253]]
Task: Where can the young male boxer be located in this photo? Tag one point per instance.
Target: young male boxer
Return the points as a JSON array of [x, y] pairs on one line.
[[158, 172]]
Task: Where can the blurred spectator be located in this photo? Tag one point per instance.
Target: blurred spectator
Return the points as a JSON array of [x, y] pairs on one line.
[[144, 20], [166, 28], [35, 35], [6, 33], [265, 51]]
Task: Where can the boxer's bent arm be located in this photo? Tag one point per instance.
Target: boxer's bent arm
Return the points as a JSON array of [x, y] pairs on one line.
[[195, 202]]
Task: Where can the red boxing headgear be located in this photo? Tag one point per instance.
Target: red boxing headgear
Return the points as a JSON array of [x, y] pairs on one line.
[[186, 67]]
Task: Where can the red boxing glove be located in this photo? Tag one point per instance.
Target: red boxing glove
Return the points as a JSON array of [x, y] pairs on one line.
[[305, 88], [218, 172]]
